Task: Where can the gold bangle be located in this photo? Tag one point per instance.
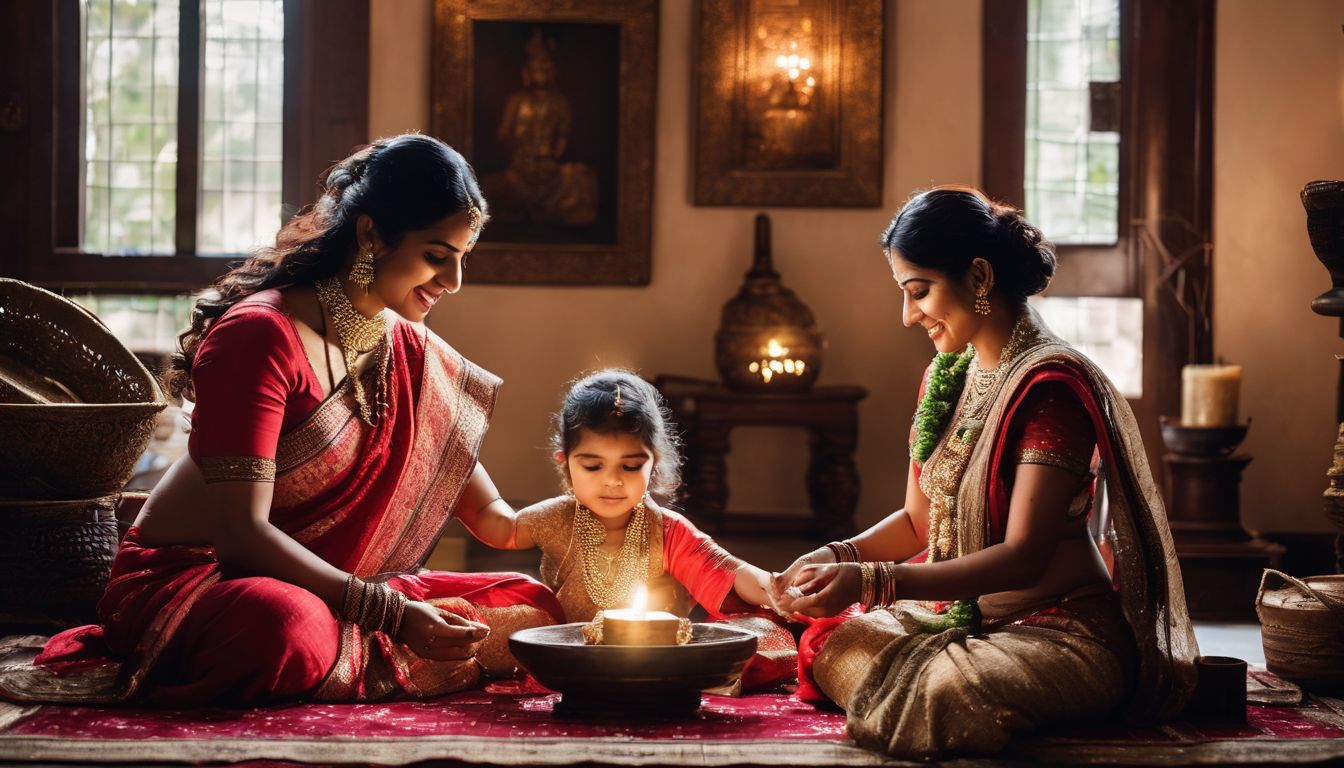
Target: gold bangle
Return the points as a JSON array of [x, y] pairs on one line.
[[352, 599], [868, 572], [393, 625]]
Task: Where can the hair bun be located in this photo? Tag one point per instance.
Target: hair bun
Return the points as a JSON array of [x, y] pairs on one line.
[[1033, 257]]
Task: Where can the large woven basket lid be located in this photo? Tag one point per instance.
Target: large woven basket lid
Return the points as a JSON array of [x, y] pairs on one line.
[[1289, 596], [53, 351]]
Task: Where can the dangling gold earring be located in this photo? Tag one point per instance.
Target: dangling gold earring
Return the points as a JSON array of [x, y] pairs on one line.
[[361, 273], [982, 301]]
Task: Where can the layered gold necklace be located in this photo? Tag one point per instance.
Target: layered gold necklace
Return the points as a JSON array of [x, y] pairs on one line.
[[613, 588], [357, 334], [985, 383], [941, 477]]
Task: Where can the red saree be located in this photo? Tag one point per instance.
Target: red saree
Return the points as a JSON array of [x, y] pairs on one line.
[[176, 628]]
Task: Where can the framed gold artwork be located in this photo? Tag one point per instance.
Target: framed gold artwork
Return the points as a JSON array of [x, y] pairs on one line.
[[553, 104]]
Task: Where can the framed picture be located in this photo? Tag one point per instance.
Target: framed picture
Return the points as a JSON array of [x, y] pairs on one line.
[[789, 103], [553, 104]]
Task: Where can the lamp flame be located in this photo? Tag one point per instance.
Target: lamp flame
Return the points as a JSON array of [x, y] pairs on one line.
[[639, 600]]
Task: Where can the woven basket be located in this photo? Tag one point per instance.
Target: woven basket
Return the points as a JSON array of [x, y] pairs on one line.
[[1302, 627], [70, 450], [55, 558]]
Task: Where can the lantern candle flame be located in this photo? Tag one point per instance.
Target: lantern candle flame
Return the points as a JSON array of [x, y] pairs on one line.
[[775, 362]]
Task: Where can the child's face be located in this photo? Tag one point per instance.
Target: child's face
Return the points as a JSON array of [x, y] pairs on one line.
[[609, 473]]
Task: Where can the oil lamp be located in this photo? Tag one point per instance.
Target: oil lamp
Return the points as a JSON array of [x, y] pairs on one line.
[[638, 626]]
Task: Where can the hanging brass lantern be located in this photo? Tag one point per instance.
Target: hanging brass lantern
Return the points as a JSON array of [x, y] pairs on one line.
[[768, 340]]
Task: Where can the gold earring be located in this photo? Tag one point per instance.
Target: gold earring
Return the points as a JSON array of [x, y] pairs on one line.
[[982, 301], [361, 273]]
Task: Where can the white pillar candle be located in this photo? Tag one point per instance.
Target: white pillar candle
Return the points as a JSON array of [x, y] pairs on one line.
[[1209, 395]]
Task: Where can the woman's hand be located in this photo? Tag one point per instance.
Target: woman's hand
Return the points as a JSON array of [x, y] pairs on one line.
[[823, 590], [780, 582], [439, 635]]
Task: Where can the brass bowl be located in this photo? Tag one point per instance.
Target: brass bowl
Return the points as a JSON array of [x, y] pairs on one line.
[[625, 678], [85, 447], [1202, 441]]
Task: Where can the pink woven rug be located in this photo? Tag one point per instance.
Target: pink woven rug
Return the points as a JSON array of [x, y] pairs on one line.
[[513, 725]]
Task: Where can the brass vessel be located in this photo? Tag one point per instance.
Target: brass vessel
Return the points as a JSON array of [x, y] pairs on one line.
[[768, 340]]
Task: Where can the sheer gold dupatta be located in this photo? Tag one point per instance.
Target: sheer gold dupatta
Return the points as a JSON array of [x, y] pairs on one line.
[[1147, 571]]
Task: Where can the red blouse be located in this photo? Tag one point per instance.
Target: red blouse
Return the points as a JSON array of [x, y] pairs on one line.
[[252, 383]]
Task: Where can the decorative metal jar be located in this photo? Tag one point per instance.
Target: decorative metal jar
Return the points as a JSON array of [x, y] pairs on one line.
[[768, 340], [1324, 202]]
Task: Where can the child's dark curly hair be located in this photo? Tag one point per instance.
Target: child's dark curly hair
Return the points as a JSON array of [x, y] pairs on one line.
[[590, 403]]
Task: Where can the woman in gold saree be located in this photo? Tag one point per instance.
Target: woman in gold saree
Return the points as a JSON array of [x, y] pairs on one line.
[[333, 437], [985, 608]]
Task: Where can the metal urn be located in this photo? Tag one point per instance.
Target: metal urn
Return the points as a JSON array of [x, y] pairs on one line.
[[768, 340]]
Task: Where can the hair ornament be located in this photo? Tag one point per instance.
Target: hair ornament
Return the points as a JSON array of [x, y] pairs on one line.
[[616, 403], [474, 218]]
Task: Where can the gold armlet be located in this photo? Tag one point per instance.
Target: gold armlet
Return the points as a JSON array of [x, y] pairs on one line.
[[222, 469]]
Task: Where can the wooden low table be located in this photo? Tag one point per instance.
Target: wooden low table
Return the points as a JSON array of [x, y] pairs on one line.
[[707, 412]]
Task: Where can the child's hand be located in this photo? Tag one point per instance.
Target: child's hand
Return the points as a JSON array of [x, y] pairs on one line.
[[440, 635], [781, 582], [823, 590]]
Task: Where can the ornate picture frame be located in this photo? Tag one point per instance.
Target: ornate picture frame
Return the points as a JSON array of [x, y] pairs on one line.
[[788, 103], [553, 103]]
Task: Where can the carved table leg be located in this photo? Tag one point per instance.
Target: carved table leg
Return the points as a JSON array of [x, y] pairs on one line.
[[833, 480]]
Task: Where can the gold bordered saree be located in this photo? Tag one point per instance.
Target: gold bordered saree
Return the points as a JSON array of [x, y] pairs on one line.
[[916, 694], [371, 500]]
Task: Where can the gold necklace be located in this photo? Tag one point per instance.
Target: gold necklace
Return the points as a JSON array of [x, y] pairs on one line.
[[631, 562], [357, 334], [984, 383], [941, 479]]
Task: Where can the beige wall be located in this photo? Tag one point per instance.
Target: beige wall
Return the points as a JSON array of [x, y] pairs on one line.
[[1278, 123], [1279, 114], [537, 338]]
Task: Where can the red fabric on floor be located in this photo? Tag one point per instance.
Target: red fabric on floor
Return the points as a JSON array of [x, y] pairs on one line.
[[504, 715], [474, 714]]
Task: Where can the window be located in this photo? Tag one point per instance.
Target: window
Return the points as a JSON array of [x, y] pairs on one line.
[[1071, 175], [1108, 330], [1111, 154], [158, 136]]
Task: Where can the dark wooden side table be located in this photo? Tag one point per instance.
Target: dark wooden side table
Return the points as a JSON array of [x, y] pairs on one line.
[[706, 412]]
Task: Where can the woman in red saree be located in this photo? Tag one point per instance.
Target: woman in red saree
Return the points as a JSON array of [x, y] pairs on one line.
[[333, 437], [985, 607]]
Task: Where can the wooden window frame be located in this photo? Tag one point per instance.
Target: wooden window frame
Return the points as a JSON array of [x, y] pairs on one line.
[[1166, 180], [41, 103]]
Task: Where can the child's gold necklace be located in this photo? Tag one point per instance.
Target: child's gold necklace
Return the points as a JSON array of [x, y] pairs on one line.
[[630, 562]]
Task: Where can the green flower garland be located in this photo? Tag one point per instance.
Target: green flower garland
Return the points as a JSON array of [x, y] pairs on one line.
[[946, 381]]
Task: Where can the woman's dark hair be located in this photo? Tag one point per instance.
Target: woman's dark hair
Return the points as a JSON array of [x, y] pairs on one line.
[[946, 228], [403, 183], [591, 404]]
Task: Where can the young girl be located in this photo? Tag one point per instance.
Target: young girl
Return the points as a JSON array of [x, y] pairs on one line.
[[612, 446]]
